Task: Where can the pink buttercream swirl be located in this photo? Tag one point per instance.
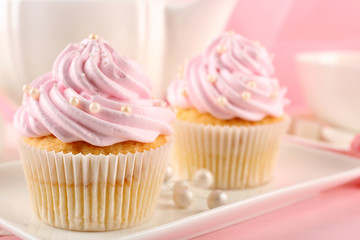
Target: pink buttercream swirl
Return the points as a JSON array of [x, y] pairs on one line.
[[232, 78], [93, 71]]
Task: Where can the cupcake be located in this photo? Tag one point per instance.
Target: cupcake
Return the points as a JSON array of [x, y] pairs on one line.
[[230, 116], [93, 144]]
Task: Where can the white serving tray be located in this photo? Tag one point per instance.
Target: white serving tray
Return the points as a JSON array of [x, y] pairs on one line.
[[301, 173]]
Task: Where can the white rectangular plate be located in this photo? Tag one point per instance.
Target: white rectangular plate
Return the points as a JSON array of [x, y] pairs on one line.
[[301, 173]]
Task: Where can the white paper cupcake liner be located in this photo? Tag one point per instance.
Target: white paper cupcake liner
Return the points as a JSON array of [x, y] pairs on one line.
[[94, 192], [238, 157]]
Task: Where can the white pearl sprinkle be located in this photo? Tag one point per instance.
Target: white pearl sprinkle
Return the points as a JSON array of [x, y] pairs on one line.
[[160, 103], [168, 174], [94, 107], [246, 95], [103, 55], [184, 92], [126, 109], [211, 78], [26, 88], [74, 101], [94, 36], [184, 198], [97, 49], [105, 62], [221, 49], [221, 101], [55, 85], [82, 75], [252, 84], [91, 54], [203, 178], [274, 95], [77, 53], [34, 93], [217, 198]]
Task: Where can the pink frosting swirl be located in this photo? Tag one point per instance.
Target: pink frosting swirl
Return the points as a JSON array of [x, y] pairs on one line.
[[231, 79], [93, 73]]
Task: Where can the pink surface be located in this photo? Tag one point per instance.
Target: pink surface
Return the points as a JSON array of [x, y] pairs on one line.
[[286, 27]]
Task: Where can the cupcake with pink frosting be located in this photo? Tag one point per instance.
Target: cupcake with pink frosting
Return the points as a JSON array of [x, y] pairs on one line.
[[231, 117], [94, 145]]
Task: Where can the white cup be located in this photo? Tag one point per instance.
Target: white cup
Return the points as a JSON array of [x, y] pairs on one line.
[[331, 85]]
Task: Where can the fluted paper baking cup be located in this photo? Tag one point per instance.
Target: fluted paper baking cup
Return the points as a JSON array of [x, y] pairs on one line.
[[94, 192], [238, 157]]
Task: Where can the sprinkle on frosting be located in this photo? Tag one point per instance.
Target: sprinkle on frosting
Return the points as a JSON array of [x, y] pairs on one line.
[[244, 85], [107, 93]]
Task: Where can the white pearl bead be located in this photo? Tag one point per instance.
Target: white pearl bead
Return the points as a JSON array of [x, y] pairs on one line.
[[221, 49], [211, 78], [203, 178], [217, 198], [180, 186], [94, 107], [74, 101], [26, 88], [126, 109], [82, 75], [184, 92], [252, 84], [34, 93], [221, 101], [184, 198], [246, 95], [91, 54], [168, 173], [274, 95]]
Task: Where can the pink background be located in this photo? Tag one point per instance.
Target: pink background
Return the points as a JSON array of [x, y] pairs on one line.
[[286, 27]]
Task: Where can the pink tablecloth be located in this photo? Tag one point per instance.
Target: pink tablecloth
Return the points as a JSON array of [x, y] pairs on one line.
[[332, 215]]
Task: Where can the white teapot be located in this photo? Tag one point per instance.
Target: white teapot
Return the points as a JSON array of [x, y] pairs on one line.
[[157, 33]]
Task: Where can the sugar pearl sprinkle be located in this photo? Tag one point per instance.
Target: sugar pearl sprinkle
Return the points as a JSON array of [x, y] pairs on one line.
[[34, 93], [222, 101], [246, 95], [184, 92], [94, 107], [160, 103], [252, 84], [221, 49], [74, 101], [26, 88], [94, 36], [126, 109], [274, 95], [82, 75], [211, 78]]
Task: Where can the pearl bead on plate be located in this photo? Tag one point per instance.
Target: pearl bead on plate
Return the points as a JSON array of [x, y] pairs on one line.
[[180, 186], [183, 198], [203, 178], [94, 107], [217, 198], [168, 173], [34, 93]]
